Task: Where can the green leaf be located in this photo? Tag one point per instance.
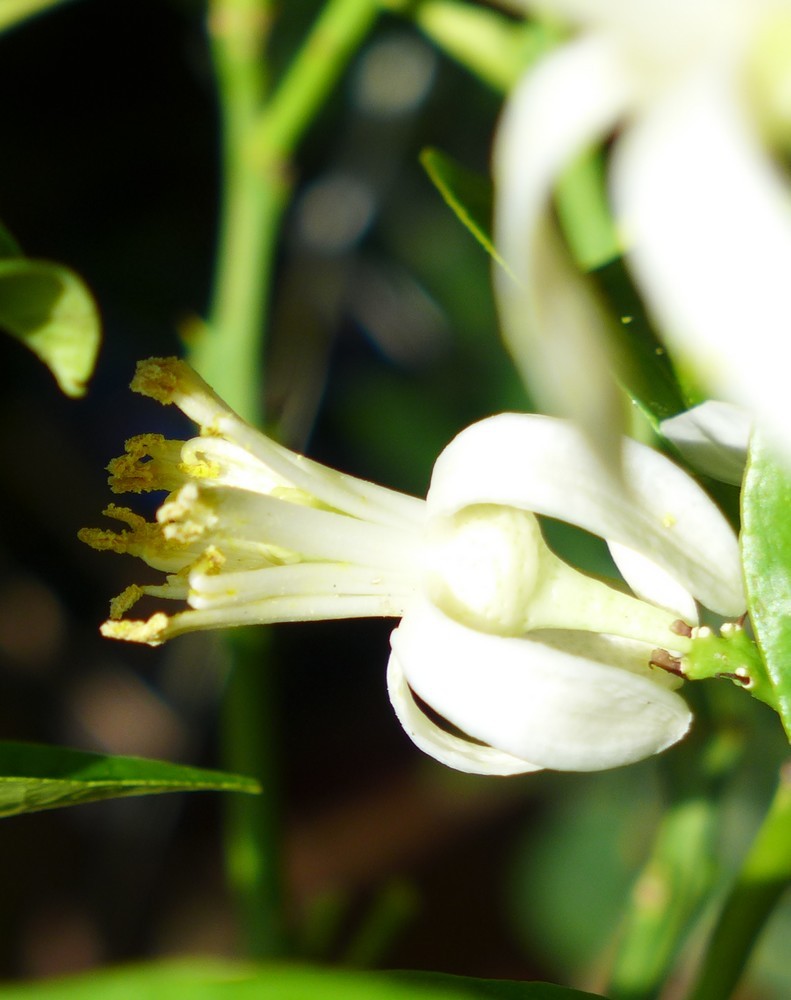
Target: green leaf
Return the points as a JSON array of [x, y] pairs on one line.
[[645, 373], [216, 980], [766, 551], [49, 309], [496, 48], [467, 193], [667, 897], [35, 777], [465, 988], [13, 11], [8, 245]]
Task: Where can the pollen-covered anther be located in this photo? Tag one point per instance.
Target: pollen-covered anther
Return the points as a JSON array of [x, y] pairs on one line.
[[125, 600], [169, 380], [151, 632], [106, 540], [157, 378], [151, 463]]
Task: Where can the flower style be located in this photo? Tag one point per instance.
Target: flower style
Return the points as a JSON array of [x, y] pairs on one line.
[[698, 90], [536, 664]]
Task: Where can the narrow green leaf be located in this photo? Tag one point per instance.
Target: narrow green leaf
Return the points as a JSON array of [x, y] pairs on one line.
[[49, 309], [467, 193], [766, 549], [35, 777], [217, 980], [646, 373], [496, 48]]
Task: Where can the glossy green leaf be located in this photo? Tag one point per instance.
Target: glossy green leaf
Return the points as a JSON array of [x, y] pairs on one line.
[[35, 777], [467, 193], [49, 309], [766, 548], [645, 373], [217, 980]]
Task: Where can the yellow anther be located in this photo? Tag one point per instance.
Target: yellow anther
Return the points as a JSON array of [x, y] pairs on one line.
[[151, 632]]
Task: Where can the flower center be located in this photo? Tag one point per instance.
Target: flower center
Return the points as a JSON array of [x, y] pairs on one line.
[[484, 565]]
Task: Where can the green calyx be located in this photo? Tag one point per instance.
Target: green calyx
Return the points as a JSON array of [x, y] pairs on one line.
[[731, 655]]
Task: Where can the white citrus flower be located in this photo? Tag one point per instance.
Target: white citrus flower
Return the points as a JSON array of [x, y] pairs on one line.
[[536, 664], [696, 94]]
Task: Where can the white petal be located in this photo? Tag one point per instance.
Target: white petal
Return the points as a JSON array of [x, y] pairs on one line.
[[709, 220], [654, 584], [545, 465], [659, 32], [713, 438], [456, 752], [534, 700], [550, 319]]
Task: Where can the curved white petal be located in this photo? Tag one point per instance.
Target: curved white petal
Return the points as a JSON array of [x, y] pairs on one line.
[[708, 218], [536, 701], [454, 751], [713, 438], [545, 465], [653, 583], [550, 319]]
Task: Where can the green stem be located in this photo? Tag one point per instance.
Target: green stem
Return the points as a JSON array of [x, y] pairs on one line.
[[229, 354], [765, 875], [259, 136], [252, 823], [259, 139], [333, 39]]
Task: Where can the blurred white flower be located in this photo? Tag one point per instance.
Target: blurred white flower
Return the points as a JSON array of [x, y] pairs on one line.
[[535, 663], [696, 94], [713, 438]]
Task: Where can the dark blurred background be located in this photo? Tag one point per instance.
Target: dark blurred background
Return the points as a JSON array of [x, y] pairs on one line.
[[383, 345]]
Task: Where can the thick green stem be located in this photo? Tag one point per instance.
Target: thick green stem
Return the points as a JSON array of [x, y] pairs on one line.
[[259, 139], [253, 824], [764, 877], [333, 39], [229, 353], [259, 135]]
